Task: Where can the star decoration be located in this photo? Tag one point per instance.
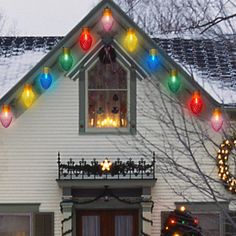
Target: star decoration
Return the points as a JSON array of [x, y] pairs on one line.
[[106, 165]]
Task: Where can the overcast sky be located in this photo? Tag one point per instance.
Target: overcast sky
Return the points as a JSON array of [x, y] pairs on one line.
[[44, 17]]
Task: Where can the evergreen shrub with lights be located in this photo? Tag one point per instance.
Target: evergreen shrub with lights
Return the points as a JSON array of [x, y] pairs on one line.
[[181, 223]]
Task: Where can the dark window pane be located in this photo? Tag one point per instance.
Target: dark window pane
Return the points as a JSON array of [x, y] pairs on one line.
[[210, 223], [14, 225], [111, 76]]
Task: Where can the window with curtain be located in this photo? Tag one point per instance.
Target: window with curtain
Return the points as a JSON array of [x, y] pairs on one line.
[[123, 225], [15, 225], [209, 222], [90, 225], [107, 97]]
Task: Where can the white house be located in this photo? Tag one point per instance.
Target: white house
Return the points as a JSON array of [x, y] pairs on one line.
[[106, 130]]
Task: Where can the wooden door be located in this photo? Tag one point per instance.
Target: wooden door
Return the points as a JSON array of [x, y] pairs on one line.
[[107, 223]]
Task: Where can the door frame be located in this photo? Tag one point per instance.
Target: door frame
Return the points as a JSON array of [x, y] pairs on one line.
[[113, 213], [112, 204]]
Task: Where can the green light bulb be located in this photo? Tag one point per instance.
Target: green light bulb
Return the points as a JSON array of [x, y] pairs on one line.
[[174, 82], [66, 60]]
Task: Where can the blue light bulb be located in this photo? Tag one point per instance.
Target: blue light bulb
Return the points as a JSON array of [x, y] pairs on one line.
[[153, 59], [45, 78]]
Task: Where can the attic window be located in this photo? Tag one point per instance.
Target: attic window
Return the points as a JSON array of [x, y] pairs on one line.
[[107, 97]]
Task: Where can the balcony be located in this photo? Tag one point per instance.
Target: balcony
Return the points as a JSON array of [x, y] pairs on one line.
[[118, 173]]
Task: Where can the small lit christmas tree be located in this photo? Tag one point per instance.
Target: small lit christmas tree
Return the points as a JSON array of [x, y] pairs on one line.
[[181, 223]]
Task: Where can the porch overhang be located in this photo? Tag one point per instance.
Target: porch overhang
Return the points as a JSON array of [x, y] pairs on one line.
[[111, 183]]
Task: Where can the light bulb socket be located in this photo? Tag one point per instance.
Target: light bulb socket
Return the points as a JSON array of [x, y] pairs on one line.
[[174, 73], [153, 52], [5, 108], [46, 70], [131, 31], [85, 29], [196, 93], [27, 87], [217, 110], [107, 11], [66, 50]]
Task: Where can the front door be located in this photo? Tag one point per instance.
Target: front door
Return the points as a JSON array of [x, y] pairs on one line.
[[107, 223]]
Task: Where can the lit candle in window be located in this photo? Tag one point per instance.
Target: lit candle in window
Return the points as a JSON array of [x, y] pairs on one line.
[[92, 122], [122, 122]]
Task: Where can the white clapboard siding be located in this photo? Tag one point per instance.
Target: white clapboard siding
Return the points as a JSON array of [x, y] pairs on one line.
[[28, 150]]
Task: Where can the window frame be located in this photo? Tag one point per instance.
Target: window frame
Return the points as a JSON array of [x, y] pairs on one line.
[[195, 213], [131, 101]]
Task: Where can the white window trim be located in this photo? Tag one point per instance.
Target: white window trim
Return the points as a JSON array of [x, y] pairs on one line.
[[107, 130]]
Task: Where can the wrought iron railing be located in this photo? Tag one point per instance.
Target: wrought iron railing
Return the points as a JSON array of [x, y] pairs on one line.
[[118, 169]]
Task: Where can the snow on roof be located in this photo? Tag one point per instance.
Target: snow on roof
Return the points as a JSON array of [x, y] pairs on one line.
[[212, 63], [20, 54]]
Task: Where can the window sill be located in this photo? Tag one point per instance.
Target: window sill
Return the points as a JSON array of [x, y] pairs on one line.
[[108, 131]]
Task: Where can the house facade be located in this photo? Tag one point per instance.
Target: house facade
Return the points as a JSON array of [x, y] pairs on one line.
[[110, 131]]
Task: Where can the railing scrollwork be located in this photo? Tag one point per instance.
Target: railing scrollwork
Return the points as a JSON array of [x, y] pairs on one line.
[[118, 169]]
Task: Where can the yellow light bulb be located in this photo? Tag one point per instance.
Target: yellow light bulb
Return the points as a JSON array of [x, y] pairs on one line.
[[131, 40], [176, 234], [182, 208], [28, 95]]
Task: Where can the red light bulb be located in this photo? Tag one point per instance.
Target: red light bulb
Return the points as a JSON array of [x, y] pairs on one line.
[[85, 39], [217, 120], [196, 221], [172, 221], [196, 103]]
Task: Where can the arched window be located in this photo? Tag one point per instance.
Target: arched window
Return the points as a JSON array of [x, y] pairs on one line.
[[107, 96]]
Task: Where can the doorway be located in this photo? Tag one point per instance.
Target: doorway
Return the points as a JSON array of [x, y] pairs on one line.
[[107, 223]]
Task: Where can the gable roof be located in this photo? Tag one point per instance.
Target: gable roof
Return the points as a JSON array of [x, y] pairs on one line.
[[91, 19]]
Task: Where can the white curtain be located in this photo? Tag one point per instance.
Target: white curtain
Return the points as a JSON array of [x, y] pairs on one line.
[[14, 225], [123, 225], [91, 225]]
